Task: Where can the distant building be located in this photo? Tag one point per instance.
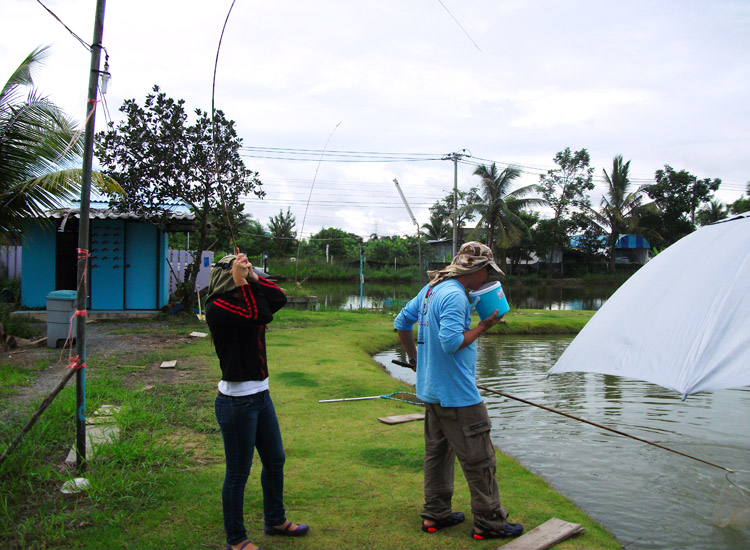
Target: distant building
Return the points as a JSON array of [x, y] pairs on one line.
[[629, 248]]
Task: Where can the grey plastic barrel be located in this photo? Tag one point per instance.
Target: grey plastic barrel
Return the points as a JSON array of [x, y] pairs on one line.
[[60, 309]]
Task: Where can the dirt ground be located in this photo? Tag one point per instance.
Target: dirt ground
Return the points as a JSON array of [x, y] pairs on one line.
[[107, 346]]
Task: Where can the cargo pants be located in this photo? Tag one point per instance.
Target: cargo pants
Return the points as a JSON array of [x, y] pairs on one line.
[[462, 432]]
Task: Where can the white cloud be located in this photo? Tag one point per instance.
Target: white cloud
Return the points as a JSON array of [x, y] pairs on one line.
[[660, 83]]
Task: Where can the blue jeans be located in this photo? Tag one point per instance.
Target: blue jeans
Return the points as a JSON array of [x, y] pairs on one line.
[[249, 422]]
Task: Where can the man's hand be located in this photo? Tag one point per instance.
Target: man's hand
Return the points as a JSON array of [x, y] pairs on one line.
[[491, 321], [413, 363], [483, 326]]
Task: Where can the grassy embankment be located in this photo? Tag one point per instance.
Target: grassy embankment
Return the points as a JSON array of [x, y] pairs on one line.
[[358, 482]]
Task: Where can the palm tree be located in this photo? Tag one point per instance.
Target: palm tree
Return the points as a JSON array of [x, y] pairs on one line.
[[712, 212], [281, 227], [437, 228], [619, 207], [499, 207], [38, 146]]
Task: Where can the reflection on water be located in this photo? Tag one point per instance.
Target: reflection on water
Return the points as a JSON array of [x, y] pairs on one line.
[[648, 497], [348, 296]]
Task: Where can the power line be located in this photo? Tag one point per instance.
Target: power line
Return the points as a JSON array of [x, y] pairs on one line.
[[307, 155], [81, 40]]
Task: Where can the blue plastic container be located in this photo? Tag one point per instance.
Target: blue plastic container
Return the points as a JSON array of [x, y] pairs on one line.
[[489, 298]]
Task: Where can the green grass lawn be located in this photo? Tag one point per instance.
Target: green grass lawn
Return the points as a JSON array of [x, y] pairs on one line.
[[356, 481]]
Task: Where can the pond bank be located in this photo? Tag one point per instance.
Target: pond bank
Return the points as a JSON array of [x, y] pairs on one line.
[[358, 482]]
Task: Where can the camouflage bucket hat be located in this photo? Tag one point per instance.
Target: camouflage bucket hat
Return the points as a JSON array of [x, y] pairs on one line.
[[476, 254], [471, 257]]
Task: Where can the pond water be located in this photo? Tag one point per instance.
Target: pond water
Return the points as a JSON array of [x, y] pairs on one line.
[[524, 296], [647, 497]]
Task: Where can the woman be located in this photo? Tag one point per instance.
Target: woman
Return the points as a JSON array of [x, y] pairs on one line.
[[238, 307]]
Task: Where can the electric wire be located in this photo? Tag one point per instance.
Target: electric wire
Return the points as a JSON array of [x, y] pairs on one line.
[[81, 40]]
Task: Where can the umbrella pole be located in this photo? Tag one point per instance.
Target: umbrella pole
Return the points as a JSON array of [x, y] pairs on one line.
[[618, 432]]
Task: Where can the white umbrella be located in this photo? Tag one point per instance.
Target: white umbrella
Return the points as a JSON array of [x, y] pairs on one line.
[[681, 321]]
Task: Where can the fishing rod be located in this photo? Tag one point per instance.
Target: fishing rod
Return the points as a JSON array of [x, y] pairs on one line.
[[556, 411], [213, 135], [406, 397]]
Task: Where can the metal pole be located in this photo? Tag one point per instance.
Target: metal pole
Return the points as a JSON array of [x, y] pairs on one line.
[[361, 275], [455, 205], [414, 220], [83, 237], [454, 157]]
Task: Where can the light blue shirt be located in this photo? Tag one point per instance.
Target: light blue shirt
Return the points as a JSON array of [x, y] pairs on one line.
[[445, 374]]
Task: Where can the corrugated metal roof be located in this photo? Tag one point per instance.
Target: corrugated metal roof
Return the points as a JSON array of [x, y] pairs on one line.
[[109, 214]]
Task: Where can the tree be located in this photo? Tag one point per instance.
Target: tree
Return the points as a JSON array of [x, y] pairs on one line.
[[619, 206], [39, 145], [161, 160], [565, 189], [742, 204], [678, 195], [437, 228], [712, 212], [499, 207], [443, 209], [525, 247], [385, 250], [281, 226], [341, 245]]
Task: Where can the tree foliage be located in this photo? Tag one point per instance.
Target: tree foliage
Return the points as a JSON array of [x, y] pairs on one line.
[[742, 204], [711, 212], [678, 195], [499, 207], [162, 161], [443, 209], [386, 250], [619, 206], [39, 147], [342, 246], [565, 189], [281, 227], [437, 228]]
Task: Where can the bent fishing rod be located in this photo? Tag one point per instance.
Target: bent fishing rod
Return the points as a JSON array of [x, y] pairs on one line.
[[556, 411]]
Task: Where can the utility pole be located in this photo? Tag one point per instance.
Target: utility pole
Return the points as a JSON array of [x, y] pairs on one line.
[[83, 237], [455, 158]]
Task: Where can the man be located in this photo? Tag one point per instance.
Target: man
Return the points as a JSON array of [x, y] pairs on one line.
[[456, 420]]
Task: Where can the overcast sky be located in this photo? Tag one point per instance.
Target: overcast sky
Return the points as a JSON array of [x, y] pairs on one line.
[[659, 82]]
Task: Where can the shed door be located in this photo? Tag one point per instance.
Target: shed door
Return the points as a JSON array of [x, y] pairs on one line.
[[141, 266], [107, 264]]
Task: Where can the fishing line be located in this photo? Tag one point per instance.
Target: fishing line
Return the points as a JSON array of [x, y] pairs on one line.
[[213, 135], [556, 411], [459, 25], [315, 177]]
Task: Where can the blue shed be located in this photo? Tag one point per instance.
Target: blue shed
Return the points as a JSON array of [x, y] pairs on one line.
[[632, 249], [127, 268]]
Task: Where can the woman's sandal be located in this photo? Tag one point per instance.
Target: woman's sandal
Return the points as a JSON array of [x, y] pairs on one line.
[[452, 519], [300, 531], [229, 546]]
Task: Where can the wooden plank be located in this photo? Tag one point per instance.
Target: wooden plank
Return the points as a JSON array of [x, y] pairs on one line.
[[398, 419], [545, 536]]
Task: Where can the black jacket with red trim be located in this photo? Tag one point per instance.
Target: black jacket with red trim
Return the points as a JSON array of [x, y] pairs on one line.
[[238, 329]]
